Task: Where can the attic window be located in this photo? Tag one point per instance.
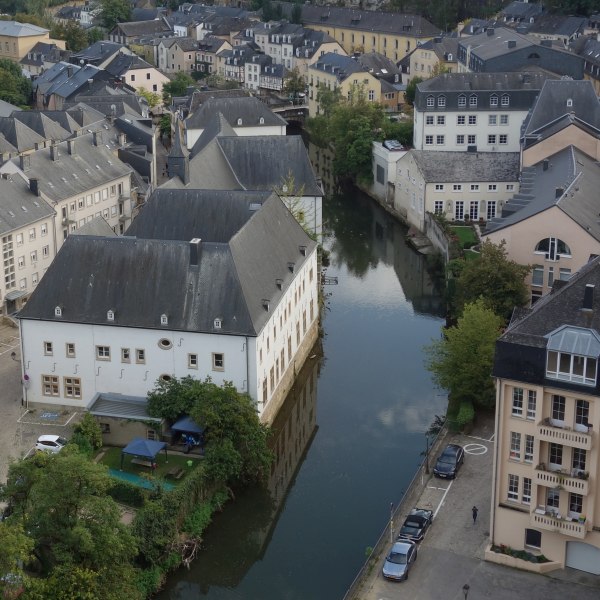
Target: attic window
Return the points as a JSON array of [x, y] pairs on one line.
[[303, 250], [110, 315], [239, 121], [291, 266], [58, 311], [165, 344], [279, 283], [569, 101], [217, 323], [164, 320], [265, 304], [262, 120]]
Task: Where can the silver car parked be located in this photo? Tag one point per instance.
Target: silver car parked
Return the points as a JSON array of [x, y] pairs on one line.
[[399, 560]]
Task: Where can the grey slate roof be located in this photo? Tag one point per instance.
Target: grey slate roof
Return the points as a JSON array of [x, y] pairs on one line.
[[522, 10], [247, 108], [569, 170], [379, 65], [366, 20], [551, 106], [89, 167], [19, 206], [97, 52], [139, 28], [559, 25], [97, 226], [122, 63], [91, 275], [341, 66], [217, 127], [120, 406], [7, 109], [448, 167], [16, 29], [18, 134], [42, 124], [560, 307]]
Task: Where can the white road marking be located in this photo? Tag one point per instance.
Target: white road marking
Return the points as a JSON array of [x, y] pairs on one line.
[[474, 437], [437, 510], [477, 449]]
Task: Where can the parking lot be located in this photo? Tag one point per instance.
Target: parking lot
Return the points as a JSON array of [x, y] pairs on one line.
[[451, 555], [20, 429]]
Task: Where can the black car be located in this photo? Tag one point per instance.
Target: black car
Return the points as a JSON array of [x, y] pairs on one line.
[[416, 524], [449, 461]]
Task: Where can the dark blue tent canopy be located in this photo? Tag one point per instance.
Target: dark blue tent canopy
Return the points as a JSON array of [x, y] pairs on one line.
[[144, 448], [187, 425]]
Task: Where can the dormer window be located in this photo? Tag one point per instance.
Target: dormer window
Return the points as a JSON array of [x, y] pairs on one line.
[[262, 120], [217, 323], [164, 320], [473, 100], [441, 101], [569, 102], [505, 100], [110, 315], [572, 355], [462, 100], [239, 121], [430, 101], [494, 100], [450, 57], [58, 311]]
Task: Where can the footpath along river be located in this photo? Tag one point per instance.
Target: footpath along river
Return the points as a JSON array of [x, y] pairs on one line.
[[350, 435]]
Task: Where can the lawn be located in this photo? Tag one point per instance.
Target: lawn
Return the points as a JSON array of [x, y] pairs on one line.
[[470, 255], [112, 459], [466, 235]]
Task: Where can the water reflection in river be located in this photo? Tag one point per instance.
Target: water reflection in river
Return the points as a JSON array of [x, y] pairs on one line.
[[350, 435]]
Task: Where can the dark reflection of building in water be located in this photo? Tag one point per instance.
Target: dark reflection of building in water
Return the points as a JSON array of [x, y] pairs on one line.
[[239, 536], [322, 162]]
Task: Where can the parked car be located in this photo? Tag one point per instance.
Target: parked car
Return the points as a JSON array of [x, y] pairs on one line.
[[393, 145], [449, 461], [399, 560], [416, 524], [50, 443]]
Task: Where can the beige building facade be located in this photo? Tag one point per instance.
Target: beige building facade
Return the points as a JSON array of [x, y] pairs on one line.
[[17, 39]]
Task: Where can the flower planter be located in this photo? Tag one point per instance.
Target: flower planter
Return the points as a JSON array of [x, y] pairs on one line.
[[519, 563]]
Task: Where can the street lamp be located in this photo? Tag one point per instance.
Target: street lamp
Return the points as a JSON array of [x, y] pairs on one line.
[[466, 589]]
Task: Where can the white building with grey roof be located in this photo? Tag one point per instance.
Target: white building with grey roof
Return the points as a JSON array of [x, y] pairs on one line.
[[205, 283]]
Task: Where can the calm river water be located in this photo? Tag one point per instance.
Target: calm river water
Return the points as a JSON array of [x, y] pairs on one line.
[[350, 435]]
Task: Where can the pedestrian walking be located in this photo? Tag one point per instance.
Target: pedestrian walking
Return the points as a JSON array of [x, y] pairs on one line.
[[474, 510]]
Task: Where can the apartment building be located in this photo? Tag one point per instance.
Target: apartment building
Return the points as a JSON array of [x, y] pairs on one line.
[[17, 39], [545, 496], [478, 112]]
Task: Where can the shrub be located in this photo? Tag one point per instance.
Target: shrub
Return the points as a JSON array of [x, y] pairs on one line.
[[87, 433], [466, 414], [127, 493]]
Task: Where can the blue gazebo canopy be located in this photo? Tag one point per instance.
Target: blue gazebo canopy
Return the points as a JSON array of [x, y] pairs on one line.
[[144, 448], [187, 425]]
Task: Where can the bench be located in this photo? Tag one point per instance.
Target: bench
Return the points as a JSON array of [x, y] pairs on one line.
[[175, 472], [142, 462]]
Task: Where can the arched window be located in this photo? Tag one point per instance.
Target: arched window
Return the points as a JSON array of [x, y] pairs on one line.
[[462, 100], [493, 100], [553, 248], [533, 55], [430, 101], [505, 100]]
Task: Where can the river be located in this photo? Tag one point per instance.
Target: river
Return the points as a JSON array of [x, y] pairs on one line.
[[350, 435]]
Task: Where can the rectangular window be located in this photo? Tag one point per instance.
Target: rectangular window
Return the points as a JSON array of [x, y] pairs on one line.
[[45, 251], [430, 101], [575, 505], [492, 187], [289, 345], [441, 120], [515, 445], [192, 361], [439, 187], [571, 367], [218, 361], [48, 348], [457, 187], [472, 119], [503, 139], [441, 101], [529, 441], [272, 379], [513, 487], [49, 385], [531, 403], [19, 239], [103, 352], [460, 119], [510, 187], [473, 101], [474, 210], [582, 413], [564, 274], [537, 275], [491, 209], [459, 210], [429, 140], [438, 207], [462, 101], [492, 119], [44, 229], [517, 402], [474, 187], [439, 140], [491, 139], [265, 392], [70, 348], [526, 495], [579, 460], [429, 120], [471, 139], [558, 408], [552, 499], [140, 356], [494, 101], [72, 387], [460, 140], [533, 538], [32, 234], [556, 455], [503, 119]]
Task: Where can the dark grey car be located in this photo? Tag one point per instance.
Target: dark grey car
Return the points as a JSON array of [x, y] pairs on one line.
[[449, 461]]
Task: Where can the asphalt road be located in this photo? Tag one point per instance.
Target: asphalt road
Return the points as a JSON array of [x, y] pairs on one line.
[[451, 555]]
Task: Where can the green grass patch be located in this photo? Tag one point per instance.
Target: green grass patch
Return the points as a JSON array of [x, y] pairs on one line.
[[112, 459], [471, 255], [466, 235]]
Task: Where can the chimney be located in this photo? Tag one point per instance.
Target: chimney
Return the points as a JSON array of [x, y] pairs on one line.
[[588, 297], [122, 139], [490, 31], [54, 153], [34, 185], [545, 164], [71, 147], [24, 162], [195, 246], [511, 43], [90, 81], [97, 138], [559, 192], [70, 71]]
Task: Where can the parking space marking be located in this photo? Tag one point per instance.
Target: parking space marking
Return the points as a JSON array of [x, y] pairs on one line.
[[432, 487], [474, 437], [437, 510], [476, 449]]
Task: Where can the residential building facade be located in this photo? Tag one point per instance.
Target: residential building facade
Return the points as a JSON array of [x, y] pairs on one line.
[[17, 39]]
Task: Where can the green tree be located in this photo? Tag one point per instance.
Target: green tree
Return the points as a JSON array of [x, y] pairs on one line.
[[411, 90], [294, 83], [15, 88], [16, 549], [87, 434], [95, 34], [177, 86], [296, 16], [164, 125], [500, 282], [74, 35], [113, 12], [462, 361], [152, 98]]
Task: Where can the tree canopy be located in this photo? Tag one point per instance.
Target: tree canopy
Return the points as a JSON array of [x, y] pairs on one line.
[[15, 88], [411, 90], [294, 83], [236, 450], [177, 86], [462, 361], [500, 282], [113, 12]]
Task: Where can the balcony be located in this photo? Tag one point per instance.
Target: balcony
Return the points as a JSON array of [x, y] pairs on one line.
[[565, 526], [547, 432], [554, 479]]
